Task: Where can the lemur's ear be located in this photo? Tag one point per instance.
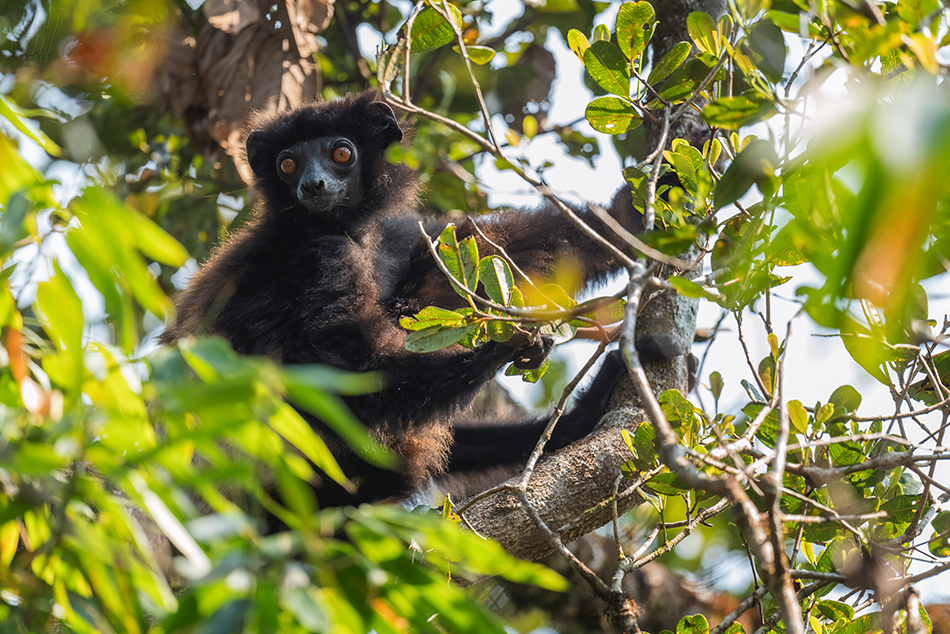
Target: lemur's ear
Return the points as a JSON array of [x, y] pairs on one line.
[[254, 146], [382, 118]]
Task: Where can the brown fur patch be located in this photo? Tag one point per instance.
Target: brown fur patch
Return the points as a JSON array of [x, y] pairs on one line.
[[424, 451]]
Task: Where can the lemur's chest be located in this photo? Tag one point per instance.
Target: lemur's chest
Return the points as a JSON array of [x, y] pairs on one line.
[[300, 305]]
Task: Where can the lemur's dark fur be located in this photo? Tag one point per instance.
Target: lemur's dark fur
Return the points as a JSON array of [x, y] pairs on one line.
[[334, 257]]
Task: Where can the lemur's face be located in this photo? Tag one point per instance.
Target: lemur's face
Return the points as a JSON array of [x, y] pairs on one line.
[[323, 174]]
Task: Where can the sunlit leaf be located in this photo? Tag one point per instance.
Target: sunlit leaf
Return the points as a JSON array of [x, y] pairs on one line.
[[733, 113], [704, 33], [10, 111], [846, 397], [578, 43], [608, 67], [430, 30], [669, 62], [939, 544], [695, 624], [62, 309], [480, 55], [437, 337], [612, 115], [635, 23], [496, 276]]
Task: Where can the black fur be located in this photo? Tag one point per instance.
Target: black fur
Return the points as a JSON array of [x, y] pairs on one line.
[[311, 281]]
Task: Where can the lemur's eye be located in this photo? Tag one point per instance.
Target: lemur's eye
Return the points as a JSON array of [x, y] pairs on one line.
[[342, 154], [288, 166]]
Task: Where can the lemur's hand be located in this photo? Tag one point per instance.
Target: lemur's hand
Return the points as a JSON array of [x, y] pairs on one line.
[[529, 356]]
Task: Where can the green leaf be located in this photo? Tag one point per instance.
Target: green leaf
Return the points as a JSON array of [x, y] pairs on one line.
[[500, 331], [553, 296], [755, 165], [635, 24], [154, 242], [695, 624], [533, 375], [751, 8], [682, 82], [867, 351], [690, 168], [628, 439], [669, 62], [112, 237], [784, 248], [667, 484], [608, 67], [436, 337], [704, 33], [765, 44], [939, 543], [10, 111], [824, 414], [797, 417], [430, 30], [12, 223], [62, 309], [389, 63], [846, 397], [689, 288], [289, 424], [834, 610], [716, 384], [644, 447], [677, 408], [480, 55], [432, 316], [461, 259], [496, 276], [558, 6], [734, 112], [601, 34], [333, 411], [449, 545], [560, 331], [578, 43], [468, 257], [18, 175], [612, 115], [902, 508]]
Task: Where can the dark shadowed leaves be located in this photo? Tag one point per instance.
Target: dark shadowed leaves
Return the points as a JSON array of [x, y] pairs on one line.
[[755, 165]]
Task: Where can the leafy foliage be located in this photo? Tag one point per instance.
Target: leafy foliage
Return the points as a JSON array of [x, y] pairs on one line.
[[111, 450]]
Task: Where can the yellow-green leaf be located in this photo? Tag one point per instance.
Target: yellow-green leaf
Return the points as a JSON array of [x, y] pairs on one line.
[[578, 43], [635, 23], [612, 115], [608, 67], [430, 30]]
